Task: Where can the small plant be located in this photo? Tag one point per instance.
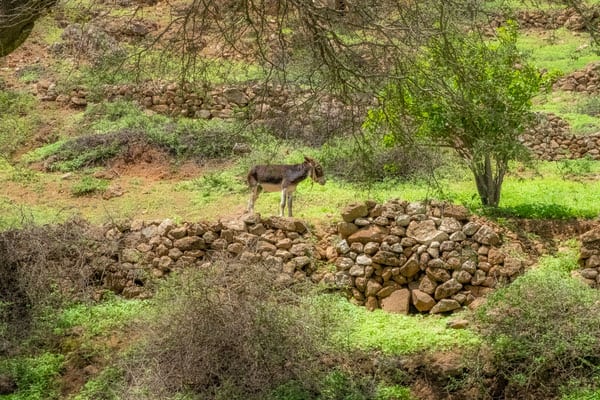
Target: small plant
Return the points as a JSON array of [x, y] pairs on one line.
[[393, 393], [23, 175], [89, 185], [338, 385], [589, 106], [30, 74], [106, 386]]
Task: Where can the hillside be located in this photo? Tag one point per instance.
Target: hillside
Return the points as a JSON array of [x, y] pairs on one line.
[[131, 268]]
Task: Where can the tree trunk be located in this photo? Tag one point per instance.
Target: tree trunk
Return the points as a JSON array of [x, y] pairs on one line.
[[489, 181], [17, 19]]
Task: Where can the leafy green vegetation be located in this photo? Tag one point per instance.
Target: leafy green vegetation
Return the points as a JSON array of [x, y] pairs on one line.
[[114, 313], [466, 95], [391, 334], [36, 377], [123, 129], [89, 185], [108, 385], [541, 326]]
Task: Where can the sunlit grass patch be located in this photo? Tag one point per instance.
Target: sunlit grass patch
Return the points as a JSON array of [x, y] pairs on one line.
[[102, 318], [392, 334], [580, 110], [558, 50], [558, 190]]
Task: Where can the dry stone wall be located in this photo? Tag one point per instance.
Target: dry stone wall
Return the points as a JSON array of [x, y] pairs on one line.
[[589, 258], [151, 250], [551, 19], [586, 80], [551, 139], [290, 113], [434, 258], [399, 256]]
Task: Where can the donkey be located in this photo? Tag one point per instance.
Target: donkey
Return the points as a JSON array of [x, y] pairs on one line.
[[284, 178]]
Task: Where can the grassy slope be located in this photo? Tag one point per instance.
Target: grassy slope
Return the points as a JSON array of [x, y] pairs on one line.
[[46, 198]]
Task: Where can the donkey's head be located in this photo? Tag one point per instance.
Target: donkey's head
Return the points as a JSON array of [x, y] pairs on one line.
[[316, 170]]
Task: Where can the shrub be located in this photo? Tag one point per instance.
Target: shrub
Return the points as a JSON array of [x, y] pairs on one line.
[[42, 267], [589, 106], [17, 121], [543, 330], [363, 162], [226, 332], [121, 129]]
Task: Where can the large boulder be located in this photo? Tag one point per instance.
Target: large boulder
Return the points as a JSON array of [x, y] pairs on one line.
[[398, 302]]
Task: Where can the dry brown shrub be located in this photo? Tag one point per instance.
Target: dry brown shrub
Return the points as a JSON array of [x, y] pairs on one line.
[[226, 332], [41, 267]]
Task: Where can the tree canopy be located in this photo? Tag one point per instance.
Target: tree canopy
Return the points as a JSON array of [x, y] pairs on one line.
[[468, 93]]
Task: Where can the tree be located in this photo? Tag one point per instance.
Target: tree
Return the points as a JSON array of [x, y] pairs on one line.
[[467, 93], [17, 18]]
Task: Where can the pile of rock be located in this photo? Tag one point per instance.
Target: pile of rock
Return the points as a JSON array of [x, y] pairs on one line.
[[589, 258], [548, 19], [551, 140], [152, 250], [586, 80], [405, 257]]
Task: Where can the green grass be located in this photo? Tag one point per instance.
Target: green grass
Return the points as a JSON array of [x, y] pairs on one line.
[[581, 394], [108, 385], [559, 50], [113, 314], [391, 334], [580, 110], [559, 190], [18, 120], [87, 185]]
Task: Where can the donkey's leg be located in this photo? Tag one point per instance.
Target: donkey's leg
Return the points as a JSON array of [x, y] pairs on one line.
[[289, 200], [253, 197], [284, 196]]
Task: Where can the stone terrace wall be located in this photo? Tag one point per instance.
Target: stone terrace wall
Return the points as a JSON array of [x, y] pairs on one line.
[[152, 250], [589, 258], [544, 19], [402, 257], [432, 259], [551, 139], [291, 113], [586, 80]]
